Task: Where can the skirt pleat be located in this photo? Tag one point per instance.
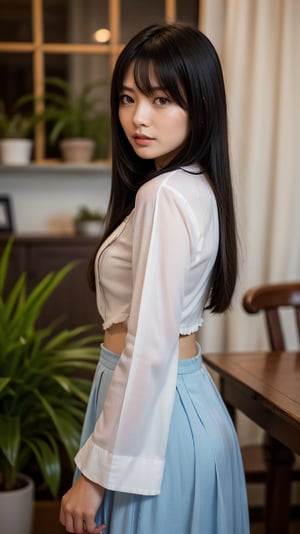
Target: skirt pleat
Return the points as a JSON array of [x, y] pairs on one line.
[[203, 489]]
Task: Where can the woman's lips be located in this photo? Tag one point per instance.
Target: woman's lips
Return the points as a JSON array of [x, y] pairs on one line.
[[142, 140]]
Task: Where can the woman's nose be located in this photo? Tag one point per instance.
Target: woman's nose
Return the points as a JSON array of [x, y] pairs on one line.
[[142, 115]]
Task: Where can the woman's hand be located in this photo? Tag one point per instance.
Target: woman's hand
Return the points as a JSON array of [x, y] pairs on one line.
[[79, 507]]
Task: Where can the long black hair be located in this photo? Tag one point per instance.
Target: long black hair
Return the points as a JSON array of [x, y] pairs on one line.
[[187, 66]]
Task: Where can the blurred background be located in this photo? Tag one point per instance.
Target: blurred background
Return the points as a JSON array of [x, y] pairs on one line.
[[258, 42]]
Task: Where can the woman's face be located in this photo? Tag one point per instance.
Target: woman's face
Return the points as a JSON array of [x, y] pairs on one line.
[[155, 125]]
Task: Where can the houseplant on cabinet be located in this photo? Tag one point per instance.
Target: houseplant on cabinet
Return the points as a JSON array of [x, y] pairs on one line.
[[76, 122], [15, 130], [42, 401], [89, 222]]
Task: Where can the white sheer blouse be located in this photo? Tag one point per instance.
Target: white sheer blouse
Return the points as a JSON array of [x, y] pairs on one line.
[[153, 272]]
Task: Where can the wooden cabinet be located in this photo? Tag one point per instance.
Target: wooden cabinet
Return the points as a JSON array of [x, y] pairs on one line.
[[72, 301]]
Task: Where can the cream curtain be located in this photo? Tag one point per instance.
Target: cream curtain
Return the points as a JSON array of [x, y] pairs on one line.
[[259, 45]]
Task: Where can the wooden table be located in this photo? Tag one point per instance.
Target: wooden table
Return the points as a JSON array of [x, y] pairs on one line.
[[265, 386]]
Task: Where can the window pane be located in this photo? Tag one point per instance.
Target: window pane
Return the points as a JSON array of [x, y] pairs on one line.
[[187, 11], [16, 78], [15, 20], [80, 70], [135, 15], [55, 17], [73, 21]]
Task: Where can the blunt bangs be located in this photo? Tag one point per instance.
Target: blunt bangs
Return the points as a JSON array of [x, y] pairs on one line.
[[166, 73]]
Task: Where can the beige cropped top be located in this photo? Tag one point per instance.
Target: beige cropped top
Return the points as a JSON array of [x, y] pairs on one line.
[[153, 272]]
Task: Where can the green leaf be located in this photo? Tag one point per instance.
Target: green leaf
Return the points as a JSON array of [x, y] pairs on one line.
[[10, 437], [70, 386], [4, 381], [48, 460], [4, 263], [67, 428]]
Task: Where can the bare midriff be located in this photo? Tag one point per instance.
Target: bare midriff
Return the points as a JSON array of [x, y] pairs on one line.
[[114, 340]]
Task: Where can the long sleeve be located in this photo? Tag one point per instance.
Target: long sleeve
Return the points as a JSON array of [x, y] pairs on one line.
[[126, 451]]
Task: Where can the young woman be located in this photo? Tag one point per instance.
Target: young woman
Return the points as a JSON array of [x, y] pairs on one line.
[[159, 453]]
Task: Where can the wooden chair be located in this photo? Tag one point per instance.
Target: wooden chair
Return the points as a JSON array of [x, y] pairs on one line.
[[269, 299]]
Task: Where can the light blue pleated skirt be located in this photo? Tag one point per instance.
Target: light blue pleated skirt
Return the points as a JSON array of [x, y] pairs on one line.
[[203, 489]]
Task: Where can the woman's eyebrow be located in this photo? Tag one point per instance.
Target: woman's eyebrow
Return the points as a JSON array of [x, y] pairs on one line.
[[127, 88], [154, 88]]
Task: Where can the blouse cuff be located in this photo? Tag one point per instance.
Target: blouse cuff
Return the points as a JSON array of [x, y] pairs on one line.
[[120, 473]]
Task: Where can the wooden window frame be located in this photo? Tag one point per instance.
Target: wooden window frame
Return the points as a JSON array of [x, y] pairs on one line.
[[39, 48]]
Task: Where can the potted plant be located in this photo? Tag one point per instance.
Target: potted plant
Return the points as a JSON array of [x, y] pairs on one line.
[[89, 222], [42, 399], [75, 121], [15, 130]]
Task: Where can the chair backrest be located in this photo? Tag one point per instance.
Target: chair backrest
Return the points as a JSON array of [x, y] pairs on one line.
[[270, 298]]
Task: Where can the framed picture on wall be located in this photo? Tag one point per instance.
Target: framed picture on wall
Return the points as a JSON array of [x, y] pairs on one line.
[[6, 223]]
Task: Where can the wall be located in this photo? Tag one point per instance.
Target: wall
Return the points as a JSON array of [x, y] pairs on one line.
[[45, 199]]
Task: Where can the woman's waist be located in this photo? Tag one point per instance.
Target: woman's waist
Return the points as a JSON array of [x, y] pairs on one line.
[[115, 339]]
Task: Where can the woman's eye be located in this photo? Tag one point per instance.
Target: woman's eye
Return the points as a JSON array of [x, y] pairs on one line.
[[126, 99], [162, 100]]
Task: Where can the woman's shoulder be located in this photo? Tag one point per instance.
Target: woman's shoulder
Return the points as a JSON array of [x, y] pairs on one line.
[[182, 182], [179, 195]]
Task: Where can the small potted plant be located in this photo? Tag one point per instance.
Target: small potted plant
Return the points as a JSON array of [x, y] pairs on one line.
[[89, 222], [76, 123], [15, 130], [42, 398]]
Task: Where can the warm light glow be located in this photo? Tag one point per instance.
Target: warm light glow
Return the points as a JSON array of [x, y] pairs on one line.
[[102, 35]]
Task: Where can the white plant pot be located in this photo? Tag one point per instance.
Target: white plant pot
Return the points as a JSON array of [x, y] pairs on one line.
[[16, 509], [16, 151], [77, 150], [92, 228]]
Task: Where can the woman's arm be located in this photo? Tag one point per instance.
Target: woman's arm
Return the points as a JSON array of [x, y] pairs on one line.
[[126, 451]]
